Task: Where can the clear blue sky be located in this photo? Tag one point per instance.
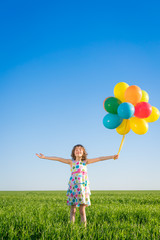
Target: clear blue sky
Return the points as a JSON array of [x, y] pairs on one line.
[[59, 61]]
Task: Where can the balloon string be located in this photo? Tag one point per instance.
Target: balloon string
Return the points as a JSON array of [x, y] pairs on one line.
[[121, 144], [122, 141]]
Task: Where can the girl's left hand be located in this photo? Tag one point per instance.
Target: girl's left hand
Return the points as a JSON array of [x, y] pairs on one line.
[[115, 156]]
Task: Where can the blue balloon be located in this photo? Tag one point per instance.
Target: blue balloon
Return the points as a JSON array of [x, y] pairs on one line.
[[112, 121], [126, 110]]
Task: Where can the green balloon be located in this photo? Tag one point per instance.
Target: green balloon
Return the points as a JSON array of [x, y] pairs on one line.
[[111, 104]]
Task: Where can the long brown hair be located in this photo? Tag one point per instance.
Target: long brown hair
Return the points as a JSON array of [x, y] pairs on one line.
[[84, 156]]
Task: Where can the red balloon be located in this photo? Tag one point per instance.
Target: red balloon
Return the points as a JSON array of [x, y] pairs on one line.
[[143, 110]]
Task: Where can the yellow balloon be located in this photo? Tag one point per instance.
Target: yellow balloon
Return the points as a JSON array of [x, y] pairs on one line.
[[138, 125], [145, 96], [124, 127], [119, 90], [154, 115]]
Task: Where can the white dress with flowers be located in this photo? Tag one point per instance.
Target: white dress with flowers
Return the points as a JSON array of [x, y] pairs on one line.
[[78, 187]]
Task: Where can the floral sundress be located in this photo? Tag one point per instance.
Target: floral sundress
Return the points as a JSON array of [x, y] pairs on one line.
[[78, 187]]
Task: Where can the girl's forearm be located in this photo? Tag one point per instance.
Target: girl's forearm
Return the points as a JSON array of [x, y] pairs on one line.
[[105, 158], [52, 158]]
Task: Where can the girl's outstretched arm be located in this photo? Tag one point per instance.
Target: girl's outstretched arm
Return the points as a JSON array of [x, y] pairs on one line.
[[63, 160], [93, 160]]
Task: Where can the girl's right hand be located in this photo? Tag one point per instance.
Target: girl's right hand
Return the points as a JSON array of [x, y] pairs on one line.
[[40, 156]]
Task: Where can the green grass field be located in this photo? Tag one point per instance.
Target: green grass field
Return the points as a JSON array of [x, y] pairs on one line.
[[112, 215]]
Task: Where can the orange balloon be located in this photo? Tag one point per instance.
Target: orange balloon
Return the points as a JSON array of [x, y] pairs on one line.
[[133, 94]]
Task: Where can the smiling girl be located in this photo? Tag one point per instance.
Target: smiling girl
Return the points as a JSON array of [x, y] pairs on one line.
[[78, 192]]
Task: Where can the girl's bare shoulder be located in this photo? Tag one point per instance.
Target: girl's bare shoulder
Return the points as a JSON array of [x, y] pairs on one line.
[[69, 161]]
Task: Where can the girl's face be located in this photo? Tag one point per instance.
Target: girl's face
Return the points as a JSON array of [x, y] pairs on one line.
[[78, 151]]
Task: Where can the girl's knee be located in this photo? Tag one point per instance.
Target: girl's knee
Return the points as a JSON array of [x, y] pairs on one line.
[[73, 209], [82, 210]]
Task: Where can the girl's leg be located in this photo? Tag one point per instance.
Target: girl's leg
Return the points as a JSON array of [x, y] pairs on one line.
[[72, 214], [83, 214]]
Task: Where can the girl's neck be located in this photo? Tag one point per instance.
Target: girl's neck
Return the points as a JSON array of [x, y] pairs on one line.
[[78, 159]]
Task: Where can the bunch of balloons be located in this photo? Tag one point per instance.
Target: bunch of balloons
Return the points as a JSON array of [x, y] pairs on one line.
[[129, 110]]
